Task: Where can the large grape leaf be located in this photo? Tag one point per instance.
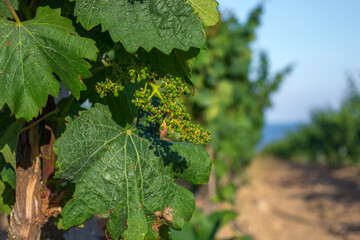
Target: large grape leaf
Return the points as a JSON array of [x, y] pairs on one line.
[[122, 109], [128, 176], [6, 119], [7, 198], [8, 175], [31, 52], [7, 194], [4, 10], [8, 141], [207, 11], [178, 63], [163, 24]]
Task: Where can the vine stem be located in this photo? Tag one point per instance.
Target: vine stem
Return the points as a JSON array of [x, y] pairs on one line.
[[17, 19], [40, 119]]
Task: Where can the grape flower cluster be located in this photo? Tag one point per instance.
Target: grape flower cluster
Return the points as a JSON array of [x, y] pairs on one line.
[[160, 100], [170, 112], [120, 73], [103, 88]]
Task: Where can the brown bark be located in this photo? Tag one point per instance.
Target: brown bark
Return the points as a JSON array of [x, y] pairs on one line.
[[25, 221], [34, 206]]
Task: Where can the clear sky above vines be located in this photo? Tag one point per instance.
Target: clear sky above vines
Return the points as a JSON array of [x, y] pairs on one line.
[[320, 37]]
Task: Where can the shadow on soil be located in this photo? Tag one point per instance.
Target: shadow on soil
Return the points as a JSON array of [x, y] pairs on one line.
[[337, 190]]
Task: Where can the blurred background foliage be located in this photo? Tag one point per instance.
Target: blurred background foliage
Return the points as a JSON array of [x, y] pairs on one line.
[[232, 93], [233, 89], [332, 137], [204, 227]]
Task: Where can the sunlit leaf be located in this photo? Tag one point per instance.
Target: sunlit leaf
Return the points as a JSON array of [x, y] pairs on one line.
[[207, 11], [127, 175], [31, 52], [161, 24]]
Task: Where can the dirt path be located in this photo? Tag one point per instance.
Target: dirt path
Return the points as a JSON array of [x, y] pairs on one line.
[[285, 201]]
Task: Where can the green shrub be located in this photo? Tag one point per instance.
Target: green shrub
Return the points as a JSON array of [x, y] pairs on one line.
[[332, 137]]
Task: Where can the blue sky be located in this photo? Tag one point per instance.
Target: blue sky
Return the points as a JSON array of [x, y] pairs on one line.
[[322, 39]]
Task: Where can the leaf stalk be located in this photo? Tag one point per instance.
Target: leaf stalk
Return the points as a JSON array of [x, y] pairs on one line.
[[40, 119], [17, 19]]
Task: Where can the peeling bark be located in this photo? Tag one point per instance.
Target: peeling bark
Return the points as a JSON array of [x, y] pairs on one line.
[[25, 221]]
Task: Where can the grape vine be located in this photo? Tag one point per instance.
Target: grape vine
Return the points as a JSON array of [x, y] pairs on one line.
[[100, 160], [160, 99]]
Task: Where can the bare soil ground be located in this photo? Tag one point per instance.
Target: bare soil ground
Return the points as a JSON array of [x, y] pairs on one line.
[[288, 201]]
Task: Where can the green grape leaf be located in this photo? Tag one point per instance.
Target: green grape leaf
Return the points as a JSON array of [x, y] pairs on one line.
[[177, 64], [8, 175], [196, 158], [126, 174], [4, 10], [6, 119], [207, 11], [121, 107], [8, 142], [6, 192], [31, 52], [7, 198], [161, 24], [2, 162]]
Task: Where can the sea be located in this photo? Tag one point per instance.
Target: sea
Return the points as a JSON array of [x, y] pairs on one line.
[[272, 132]]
